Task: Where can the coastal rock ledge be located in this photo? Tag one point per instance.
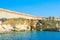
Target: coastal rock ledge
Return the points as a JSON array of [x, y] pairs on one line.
[[16, 21]]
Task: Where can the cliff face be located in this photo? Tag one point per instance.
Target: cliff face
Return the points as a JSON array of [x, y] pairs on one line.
[[17, 21]]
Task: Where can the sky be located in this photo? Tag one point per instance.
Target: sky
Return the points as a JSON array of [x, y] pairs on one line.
[[44, 8]]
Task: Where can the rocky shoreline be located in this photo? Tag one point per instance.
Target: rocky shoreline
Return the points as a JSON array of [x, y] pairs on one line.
[[11, 25], [11, 21]]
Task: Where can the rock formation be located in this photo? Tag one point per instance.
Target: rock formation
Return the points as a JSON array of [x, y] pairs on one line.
[[16, 21]]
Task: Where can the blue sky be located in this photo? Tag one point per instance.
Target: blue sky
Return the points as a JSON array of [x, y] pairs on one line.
[[43, 8]]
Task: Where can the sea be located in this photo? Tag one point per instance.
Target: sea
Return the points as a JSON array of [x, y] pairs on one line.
[[31, 35]]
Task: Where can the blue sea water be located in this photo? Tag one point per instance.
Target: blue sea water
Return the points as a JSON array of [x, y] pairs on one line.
[[31, 35]]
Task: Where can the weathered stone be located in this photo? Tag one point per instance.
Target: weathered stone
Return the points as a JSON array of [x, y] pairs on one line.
[[17, 21]]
